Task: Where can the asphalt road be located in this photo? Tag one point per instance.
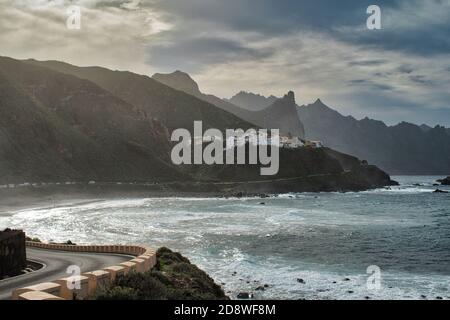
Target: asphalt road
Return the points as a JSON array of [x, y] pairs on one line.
[[55, 266]]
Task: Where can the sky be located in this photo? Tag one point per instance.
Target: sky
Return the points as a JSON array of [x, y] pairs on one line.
[[317, 48]]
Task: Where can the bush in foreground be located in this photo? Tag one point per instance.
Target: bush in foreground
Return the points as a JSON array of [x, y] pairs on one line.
[[118, 293], [173, 278]]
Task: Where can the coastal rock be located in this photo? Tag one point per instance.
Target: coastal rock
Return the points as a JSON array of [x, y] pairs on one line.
[[440, 191], [260, 288], [172, 278], [299, 280], [244, 295], [445, 181]]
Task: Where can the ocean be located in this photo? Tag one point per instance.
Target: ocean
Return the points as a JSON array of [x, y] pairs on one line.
[[301, 246]]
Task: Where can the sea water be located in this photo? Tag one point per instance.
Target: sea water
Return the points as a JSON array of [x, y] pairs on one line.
[[301, 246]]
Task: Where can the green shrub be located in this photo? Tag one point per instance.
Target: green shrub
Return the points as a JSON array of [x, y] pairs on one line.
[[166, 257], [173, 278], [117, 293], [146, 285]]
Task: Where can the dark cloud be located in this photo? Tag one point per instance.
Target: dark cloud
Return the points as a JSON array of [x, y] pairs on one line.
[[271, 16], [194, 53], [421, 79], [366, 83], [366, 63], [359, 81], [344, 20], [415, 27], [383, 87], [427, 42], [405, 69]]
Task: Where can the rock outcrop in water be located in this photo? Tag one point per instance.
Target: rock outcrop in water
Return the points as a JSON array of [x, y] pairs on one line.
[[445, 181]]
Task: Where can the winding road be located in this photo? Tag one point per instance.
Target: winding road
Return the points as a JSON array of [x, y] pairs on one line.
[[55, 266]]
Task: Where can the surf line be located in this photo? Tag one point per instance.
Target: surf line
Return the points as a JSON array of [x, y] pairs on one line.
[[233, 147]]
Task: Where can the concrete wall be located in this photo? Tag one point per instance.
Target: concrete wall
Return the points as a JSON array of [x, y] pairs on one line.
[[12, 253], [89, 282]]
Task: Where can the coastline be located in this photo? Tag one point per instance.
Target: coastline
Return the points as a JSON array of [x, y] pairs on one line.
[[251, 229], [24, 196]]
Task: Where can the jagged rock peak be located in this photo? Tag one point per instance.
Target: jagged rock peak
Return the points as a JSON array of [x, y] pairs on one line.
[[318, 104], [290, 96], [318, 101]]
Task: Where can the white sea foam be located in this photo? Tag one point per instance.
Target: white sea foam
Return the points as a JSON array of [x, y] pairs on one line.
[[321, 238]]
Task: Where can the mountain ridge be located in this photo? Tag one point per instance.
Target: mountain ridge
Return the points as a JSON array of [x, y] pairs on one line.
[[404, 148], [352, 136], [269, 117], [151, 97], [251, 101], [58, 127], [61, 123]]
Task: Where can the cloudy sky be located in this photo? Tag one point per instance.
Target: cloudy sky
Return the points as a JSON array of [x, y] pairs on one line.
[[319, 49]]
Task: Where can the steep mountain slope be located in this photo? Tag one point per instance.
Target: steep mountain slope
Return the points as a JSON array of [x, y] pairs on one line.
[[251, 101], [180, 81], [56, 127], [402, 149], [175, 109], [281, 114], [183, 82]]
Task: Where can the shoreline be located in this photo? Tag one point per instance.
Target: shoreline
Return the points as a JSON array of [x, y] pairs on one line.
[[24, 196], [326, 289]]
